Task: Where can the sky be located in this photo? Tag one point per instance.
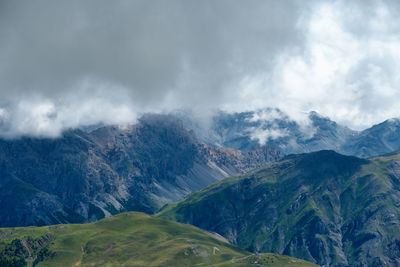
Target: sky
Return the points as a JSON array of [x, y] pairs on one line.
[[67, 64]]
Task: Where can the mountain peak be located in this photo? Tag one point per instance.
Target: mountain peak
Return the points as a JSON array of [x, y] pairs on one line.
[[395, 121], [317, 118], [317, 165]]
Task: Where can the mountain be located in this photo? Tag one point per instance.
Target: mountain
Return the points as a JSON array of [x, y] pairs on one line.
[[87, 175], [324, 207], [327, 135], [129, 239], [380, 139], [273, 128]]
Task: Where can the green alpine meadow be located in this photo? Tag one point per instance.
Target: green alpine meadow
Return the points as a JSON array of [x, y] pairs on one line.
[[127, 239]]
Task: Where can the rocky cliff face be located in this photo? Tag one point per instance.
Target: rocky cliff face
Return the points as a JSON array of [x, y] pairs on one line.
[[328, 208], [86, 176]]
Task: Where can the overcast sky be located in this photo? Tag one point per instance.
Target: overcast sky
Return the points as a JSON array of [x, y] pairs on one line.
[[71, 63]]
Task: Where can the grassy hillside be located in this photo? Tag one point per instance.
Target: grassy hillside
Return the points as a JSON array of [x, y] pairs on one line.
[[128, 239]]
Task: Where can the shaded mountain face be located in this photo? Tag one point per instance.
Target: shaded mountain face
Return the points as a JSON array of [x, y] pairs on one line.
[[85, 176], [380, 139], [272, 128], [324, 207], [129, 239]]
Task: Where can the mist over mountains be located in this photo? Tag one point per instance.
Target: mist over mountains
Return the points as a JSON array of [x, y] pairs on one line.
[[273, 128], [75, 63]]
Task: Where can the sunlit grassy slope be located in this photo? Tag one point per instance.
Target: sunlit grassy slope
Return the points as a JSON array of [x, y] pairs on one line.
[[134, 239]]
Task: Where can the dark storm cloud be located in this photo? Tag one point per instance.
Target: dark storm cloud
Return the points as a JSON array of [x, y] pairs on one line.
[[167, 54], [145, 46]]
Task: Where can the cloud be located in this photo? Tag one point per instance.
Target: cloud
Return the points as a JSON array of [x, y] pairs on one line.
[[164, 54], [267, 115], [348, 70], [45, 117], [264, 135], [267, 125], [66, 64]]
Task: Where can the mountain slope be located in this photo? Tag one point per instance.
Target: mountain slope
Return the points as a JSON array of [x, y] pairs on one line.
[[324, 207], [380, 139], [129, 239], [85, 176]]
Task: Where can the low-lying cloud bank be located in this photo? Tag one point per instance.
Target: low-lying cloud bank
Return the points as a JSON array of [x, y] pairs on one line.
[[74, 63]]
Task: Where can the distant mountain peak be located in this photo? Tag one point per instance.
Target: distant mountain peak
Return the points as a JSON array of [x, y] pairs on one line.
[[393, 121]]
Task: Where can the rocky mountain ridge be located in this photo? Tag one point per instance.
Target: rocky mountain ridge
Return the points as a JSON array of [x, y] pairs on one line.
[[275, 129], [85, 176]]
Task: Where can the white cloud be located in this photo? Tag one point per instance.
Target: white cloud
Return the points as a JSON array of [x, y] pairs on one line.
[[267, 128], [267, 115], [264, 135], [39, 116], [352, 76]]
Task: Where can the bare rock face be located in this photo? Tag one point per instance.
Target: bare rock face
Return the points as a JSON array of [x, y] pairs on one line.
[[330, 209], [85, 176]]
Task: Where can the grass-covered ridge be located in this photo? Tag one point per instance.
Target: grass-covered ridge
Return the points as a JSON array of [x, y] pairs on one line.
[[128, 239]]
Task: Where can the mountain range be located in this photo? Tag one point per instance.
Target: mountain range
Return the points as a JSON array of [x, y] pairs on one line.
[[273, 128], [83, 176], [88, 174]]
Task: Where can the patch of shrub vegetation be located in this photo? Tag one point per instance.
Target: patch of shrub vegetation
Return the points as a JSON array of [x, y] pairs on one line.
[[20, 251]]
